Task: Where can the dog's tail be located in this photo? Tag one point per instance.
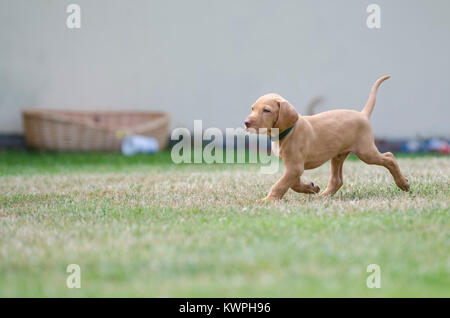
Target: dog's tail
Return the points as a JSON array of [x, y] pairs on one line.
[[367, 110]]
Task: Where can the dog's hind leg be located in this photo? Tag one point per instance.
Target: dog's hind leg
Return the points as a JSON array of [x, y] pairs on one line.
[[336, 180], [370, 155]]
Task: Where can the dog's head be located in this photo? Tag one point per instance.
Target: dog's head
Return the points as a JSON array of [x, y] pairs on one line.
[[271, 111]]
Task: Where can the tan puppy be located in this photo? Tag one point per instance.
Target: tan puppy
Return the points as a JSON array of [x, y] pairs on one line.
[[307, 142]]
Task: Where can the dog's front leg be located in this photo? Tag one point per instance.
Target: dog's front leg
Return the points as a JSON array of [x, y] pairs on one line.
[[289, 178]]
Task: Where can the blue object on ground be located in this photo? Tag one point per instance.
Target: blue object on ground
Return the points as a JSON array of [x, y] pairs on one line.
[[139, 144]]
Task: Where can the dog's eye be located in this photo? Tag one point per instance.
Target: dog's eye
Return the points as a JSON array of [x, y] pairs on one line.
[[266, 111]]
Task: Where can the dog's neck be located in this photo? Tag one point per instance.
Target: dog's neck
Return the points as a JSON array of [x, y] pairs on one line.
[[278, 140], [282, 134]]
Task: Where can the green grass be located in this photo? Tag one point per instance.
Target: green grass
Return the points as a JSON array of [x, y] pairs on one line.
[[141, 226]]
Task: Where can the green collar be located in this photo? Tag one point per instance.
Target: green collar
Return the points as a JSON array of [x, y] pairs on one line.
[[282, 135]]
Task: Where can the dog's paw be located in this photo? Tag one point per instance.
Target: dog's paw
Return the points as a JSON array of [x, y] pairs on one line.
[[324, 195], [268, 199], [261, 201], [314, 188], [403, 184]]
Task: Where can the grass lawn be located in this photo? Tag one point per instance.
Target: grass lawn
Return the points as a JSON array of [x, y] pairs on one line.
[[141, 226]]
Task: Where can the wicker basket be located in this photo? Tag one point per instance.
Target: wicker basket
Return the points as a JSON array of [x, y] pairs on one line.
[[91, 130]]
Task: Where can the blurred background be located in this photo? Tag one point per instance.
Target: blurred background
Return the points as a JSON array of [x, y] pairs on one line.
[[211, 60]]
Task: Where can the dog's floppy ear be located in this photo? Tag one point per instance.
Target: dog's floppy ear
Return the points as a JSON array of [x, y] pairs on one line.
[[287, 115]]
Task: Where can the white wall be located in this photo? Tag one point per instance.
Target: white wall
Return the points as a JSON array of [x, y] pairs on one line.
[[210, 59]]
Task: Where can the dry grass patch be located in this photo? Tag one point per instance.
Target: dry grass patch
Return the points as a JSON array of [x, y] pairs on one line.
[[196, 230]]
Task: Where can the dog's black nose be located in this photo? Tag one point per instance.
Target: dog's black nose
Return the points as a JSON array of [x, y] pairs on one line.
[[247, 123]]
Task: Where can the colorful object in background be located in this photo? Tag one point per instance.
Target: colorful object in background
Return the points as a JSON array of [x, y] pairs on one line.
[[139, 144], [431, 145], [438, 145], [413, 146]]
